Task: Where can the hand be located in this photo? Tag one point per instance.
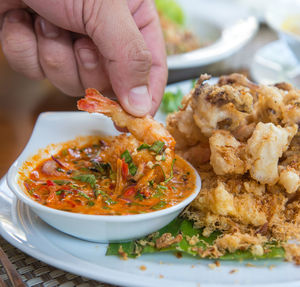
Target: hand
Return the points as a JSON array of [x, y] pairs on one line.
[[118, 46]]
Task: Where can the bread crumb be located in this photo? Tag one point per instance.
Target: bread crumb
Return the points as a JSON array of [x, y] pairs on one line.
[[178, 255], [217, 262], [160, 262], [250, 265], [161, 276], [143, 267], [193, 266], [122, 253], [212, 266], [271, 267], [233, 271]]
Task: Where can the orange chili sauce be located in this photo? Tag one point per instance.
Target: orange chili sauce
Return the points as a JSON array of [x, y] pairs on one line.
[[77, 180]]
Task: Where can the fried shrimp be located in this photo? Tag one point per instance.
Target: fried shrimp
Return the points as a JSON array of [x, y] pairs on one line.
[[144, 129]]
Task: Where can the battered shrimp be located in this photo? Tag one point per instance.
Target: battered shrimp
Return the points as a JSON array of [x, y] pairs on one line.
[[144, 129]]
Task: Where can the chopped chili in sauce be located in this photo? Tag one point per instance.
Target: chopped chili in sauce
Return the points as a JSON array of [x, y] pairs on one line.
[[85, 180]]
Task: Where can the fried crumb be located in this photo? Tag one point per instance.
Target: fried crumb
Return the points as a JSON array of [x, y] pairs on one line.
[[233, 271], [161, 276], [166, 240], [143, 268], [212, 266], [160, 262], [272, 266], [217, 262], [250, 265], [122, 253], [193, 266]]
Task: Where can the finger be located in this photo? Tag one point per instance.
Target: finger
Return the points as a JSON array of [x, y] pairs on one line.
[[6, 5], [57, 58], [19, 44], [128, 59], [90, 65], [146, 18]]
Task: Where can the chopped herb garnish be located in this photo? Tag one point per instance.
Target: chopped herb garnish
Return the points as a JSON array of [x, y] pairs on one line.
[[98, 191], [151, 182], [128, 159], [163, 158], [162, 187], [139, 196], [83, 195], [159, 205], [132, 168], [59, 169], [109, 201], [91, 203], [64, 152], [156, 147], [172, 171], [61, 181], [103, 167], [88, 178], [158, 165], [59, 192], [143, 146]]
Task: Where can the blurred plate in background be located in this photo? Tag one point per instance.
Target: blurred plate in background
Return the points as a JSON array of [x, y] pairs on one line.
[[227, 25]]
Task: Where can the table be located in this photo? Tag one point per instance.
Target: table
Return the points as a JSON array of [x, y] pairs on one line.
[[22, 100]]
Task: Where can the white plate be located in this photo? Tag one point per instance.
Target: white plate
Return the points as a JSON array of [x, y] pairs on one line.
[[275, 63], [208, 20], [22, 228]]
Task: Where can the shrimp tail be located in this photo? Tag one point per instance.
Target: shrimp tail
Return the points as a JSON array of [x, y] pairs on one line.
[[94, 102]]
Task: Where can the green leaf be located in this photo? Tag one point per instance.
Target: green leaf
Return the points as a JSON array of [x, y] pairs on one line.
[[127, 157], [91, 203], [171, 101], [172, 171], [143, 146], [61, 181], [132, 168], [171, 10], [159, 205], [157, 146], [88, 178], [83, 195], [103, 167], [185, 227]]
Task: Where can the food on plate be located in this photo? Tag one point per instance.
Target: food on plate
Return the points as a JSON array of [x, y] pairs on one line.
[[178, 38], [244, 141], [126, 174], [291, 24]]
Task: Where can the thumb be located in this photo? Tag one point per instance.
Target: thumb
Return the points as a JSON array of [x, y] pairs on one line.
[[128, 60]]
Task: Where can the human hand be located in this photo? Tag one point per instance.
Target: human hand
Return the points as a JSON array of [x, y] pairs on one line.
[[118, 47]]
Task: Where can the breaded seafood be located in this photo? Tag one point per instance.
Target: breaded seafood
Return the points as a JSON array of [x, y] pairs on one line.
[[244, 140]]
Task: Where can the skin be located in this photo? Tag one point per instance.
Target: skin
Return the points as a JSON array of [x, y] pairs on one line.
[[114, 46]]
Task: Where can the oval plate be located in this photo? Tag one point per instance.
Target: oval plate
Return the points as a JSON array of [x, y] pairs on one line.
[[205, 18], [22, 228]]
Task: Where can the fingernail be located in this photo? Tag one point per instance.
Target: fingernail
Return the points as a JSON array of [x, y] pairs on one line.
[[140, 100], [89, 58], [16, 16], [48, 29]]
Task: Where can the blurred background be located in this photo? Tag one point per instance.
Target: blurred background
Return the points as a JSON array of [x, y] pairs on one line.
[[218, 37]]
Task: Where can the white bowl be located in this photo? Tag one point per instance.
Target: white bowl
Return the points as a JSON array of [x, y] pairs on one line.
[[276, 14], [58, 127]]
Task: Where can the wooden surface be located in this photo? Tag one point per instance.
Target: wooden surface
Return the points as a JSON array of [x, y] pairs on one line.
[[22, 100]]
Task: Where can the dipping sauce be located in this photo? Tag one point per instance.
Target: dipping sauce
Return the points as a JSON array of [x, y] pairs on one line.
[[112, 176]]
